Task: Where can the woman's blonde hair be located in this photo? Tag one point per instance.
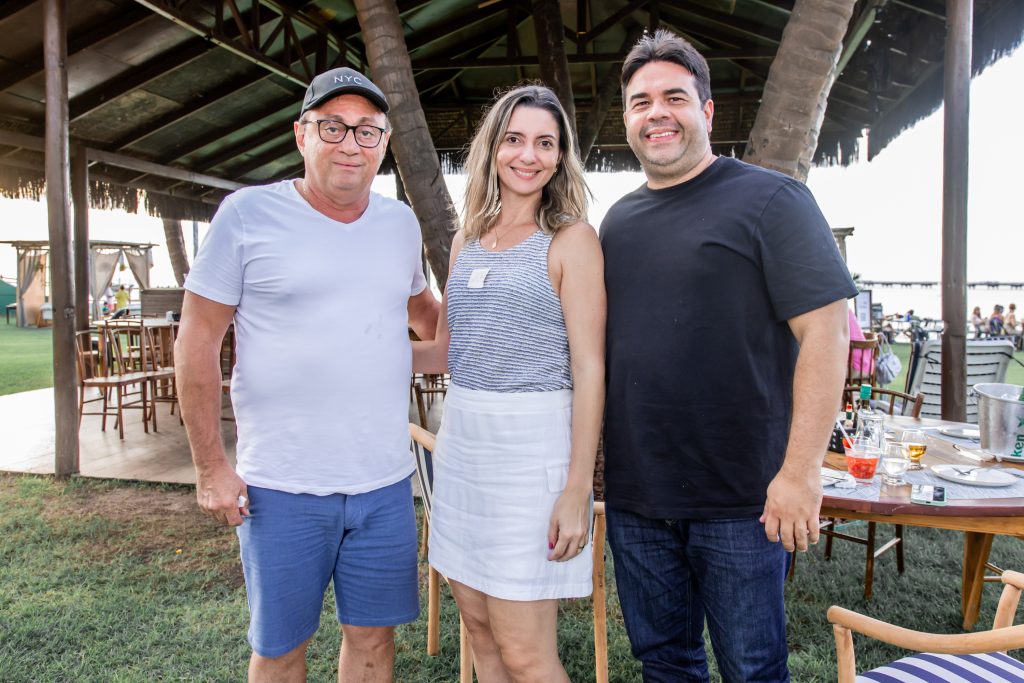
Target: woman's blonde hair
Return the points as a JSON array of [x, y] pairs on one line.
[[563, 200]]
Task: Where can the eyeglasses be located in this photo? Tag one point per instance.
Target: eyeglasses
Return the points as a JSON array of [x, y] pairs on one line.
[[333, 132]]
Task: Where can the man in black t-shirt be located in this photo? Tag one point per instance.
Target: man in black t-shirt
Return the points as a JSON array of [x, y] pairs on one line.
[[727, 342]]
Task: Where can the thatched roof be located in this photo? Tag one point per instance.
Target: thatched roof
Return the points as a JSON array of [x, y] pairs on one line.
[[193, 88]]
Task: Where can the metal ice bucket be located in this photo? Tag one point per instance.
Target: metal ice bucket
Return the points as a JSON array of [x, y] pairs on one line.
[[1001, 420]]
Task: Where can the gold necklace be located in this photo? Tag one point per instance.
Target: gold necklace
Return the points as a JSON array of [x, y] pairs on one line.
[[494, 244]]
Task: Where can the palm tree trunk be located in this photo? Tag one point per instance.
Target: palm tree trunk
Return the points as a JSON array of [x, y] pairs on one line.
[[554, 65], [176, 249], [785, 133], [410, 142]]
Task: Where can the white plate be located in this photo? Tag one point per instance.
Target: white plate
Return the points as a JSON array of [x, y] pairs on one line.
[[961, 432], [974, 476]]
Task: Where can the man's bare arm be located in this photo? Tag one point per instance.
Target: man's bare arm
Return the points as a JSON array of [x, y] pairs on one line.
[[198, 376], [794, 495], [423, 310]]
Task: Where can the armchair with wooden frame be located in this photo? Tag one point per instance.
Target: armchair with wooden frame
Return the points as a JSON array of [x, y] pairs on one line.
[[958, 657], [423, 445]]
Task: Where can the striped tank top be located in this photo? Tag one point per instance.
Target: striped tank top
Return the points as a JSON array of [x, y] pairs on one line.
[[507, 335]]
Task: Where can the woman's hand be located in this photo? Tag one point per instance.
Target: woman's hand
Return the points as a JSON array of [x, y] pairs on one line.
[[569, 528]]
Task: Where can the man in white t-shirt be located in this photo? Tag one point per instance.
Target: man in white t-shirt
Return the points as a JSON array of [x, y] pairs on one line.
[[322, 279]]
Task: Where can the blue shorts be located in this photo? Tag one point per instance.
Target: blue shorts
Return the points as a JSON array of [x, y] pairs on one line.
[[294, 544]]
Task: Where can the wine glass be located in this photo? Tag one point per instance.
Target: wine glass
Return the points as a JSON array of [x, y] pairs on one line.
[[914, 446], [894, 464]]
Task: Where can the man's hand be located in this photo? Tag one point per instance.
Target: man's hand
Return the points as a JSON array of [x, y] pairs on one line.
[[791, 510], [218, 491]]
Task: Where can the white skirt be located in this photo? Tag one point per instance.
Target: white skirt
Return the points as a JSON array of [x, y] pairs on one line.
[[501, 462]]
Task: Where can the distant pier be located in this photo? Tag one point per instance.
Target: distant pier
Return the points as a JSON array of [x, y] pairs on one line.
[[925, 285]]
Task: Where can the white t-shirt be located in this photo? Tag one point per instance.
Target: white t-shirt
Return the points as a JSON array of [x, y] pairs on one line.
[[320, 387]]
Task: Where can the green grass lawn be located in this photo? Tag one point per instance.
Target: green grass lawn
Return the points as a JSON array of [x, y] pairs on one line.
[[107, 581], [26, 358]]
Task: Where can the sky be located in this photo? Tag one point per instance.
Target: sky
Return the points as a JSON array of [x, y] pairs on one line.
[[894, 203]]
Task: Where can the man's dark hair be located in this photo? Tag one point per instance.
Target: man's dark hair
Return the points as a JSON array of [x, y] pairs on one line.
[[665, 46]]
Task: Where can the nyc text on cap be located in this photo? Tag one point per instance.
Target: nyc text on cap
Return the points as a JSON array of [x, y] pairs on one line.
[[340, 82]]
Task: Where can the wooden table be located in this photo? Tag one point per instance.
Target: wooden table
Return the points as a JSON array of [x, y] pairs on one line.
[[980, 520]]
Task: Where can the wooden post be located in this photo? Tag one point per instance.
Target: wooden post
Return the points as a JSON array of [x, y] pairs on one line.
[[80, 206], [606, 92], [956, 112], [62, 287]]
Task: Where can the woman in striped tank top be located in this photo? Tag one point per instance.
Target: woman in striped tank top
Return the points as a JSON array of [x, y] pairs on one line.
[[523, 337]]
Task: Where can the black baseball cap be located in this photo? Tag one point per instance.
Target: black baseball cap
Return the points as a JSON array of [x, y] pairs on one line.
[[340, 82]]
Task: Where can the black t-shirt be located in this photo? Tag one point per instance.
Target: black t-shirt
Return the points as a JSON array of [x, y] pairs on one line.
[[701, 280]]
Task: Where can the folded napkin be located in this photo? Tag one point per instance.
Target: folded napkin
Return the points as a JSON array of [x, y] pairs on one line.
[[840, 480]]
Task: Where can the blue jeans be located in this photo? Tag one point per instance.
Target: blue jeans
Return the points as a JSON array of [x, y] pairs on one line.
[[671, 574]]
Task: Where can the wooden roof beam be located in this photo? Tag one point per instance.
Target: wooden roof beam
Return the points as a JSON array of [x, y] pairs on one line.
[[231, 43], [281, 107], [350, 27], [731, 24], [425, 36], [198, 104], [120, 161], [236, 150], [469, 49], [152, 69], [929, 9], [225, 90], [713, 39], [782, 6], [587, 58], [272, 154], [138, 76], [614, 19], [219, 133], [107, 28], [12, 7]]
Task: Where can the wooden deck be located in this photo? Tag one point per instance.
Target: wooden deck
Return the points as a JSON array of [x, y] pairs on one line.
[[27, 428]]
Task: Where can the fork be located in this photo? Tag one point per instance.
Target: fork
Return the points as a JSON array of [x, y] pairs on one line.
[[964, 471]]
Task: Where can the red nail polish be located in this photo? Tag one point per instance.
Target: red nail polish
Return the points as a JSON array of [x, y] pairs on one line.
[[551, 546]]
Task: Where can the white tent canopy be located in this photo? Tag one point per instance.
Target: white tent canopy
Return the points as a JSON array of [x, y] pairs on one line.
[[103, 260]]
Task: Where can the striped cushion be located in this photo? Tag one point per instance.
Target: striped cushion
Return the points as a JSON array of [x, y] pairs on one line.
[[929, 668]]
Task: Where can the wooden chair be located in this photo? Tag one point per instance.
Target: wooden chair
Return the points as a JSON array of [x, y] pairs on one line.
[[424, 389], [134, 351], [163, 359], [890, 401], [867, 351], [89, 378], [423, 446], [944, 654], [908, 405]]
